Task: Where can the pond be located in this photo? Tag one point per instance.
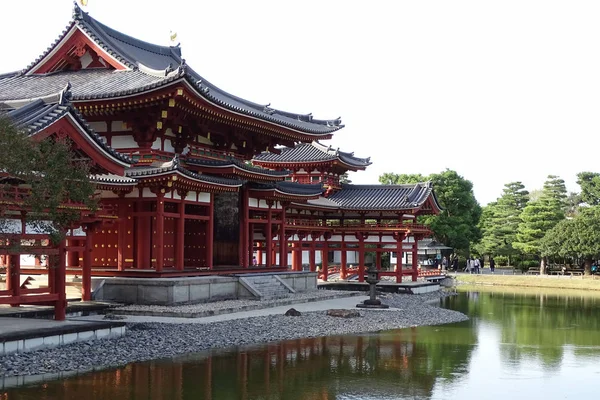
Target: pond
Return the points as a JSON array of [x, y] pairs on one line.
[[518, 344]]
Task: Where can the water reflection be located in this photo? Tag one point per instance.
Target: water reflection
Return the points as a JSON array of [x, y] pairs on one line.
[[516, 344]]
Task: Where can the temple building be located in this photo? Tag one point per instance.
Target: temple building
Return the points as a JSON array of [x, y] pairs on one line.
[[194, 180]]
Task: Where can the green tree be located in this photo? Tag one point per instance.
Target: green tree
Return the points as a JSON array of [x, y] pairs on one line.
[[590, 187], [539, 216], [344, 178], [53, 176], [502, 220], [390, 178], [578, 237], [456, 225]]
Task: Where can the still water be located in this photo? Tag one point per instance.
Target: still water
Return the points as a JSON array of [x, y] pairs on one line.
[[517, 345]]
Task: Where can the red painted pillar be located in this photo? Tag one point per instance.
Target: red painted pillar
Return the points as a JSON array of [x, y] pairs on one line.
[[86, 270], [415, 264], [14, 276], [378, 258], [324, 260], [294, 257], [180, 240], [361, 259], [399, 258], [269, 238], [160, 230], [210, 232], [344, 260], [312, 255], [283, 246], [60, 307]]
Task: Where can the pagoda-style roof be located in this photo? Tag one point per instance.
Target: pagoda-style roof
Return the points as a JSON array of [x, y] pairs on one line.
[[174, 168], [386, 197], [233, 166], [125, 66], [312, 153], [288, 188], [38, 116]]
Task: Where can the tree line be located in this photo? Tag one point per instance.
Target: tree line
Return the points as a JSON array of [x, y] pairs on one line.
[[519, 228]]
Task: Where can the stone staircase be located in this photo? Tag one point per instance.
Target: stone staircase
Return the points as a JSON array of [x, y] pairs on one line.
[[268, 287]]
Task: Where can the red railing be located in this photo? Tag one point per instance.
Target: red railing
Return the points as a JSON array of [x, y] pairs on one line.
[[291, 222]]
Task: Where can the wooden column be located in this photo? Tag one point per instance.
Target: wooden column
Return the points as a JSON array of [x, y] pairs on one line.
[[294, 258], [378, 258], [86, 270], [343, 259], [180, 239], [160, 230], [268, 236], [60, 307], [13, 278], [283, 247], [210, 231]]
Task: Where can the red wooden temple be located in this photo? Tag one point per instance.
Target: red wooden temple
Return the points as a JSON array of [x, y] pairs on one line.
[[194, 180]]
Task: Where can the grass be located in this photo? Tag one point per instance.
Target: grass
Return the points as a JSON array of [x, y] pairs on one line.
[[553, 281]]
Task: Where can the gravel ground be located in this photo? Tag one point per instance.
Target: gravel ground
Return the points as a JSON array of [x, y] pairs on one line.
[[149, 341]]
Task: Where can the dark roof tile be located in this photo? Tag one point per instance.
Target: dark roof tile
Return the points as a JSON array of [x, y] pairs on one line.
[[382, 197], [313, 152]]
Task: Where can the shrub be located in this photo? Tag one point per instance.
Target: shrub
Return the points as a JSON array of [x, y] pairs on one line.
[[501, 261]]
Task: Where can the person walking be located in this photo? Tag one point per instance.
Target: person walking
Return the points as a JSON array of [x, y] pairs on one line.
[[476, 265], [492, 264]]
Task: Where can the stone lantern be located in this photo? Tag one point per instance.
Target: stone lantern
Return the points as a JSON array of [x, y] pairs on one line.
[[372, 280]]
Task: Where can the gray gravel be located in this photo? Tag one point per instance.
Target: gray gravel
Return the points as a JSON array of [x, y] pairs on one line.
[[149, 341]]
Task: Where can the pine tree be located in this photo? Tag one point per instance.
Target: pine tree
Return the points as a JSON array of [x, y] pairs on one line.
[[541, 215], [502, 219]]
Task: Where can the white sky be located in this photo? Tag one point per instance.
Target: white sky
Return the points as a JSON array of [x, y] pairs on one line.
[[497, 90]]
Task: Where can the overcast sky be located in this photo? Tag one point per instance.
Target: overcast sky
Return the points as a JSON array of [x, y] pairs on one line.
[[499, 91]]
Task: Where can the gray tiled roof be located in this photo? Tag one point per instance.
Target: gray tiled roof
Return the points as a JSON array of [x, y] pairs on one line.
[[37, 115], [139, 56], [233, 162], [113, 179], [382, 197], [290, 188], [312, 152], [85, 84], [173, 166]]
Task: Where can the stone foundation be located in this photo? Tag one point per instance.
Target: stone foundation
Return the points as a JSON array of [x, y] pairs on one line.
[[192, 290]]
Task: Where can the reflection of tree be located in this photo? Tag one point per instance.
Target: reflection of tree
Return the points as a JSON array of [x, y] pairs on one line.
[[538, 325], [400, 363]]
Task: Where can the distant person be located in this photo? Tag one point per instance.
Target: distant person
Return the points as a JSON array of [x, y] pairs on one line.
[[468, 265], [476, 265], [492, 264], [481, 263], [455, 263], [444, 263]]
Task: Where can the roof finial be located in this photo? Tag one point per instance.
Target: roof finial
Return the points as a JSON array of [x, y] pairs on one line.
[[65, 94], [77, 12]]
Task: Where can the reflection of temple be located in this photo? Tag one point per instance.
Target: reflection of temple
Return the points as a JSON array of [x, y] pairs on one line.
[[194, 180], [395, 364]]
